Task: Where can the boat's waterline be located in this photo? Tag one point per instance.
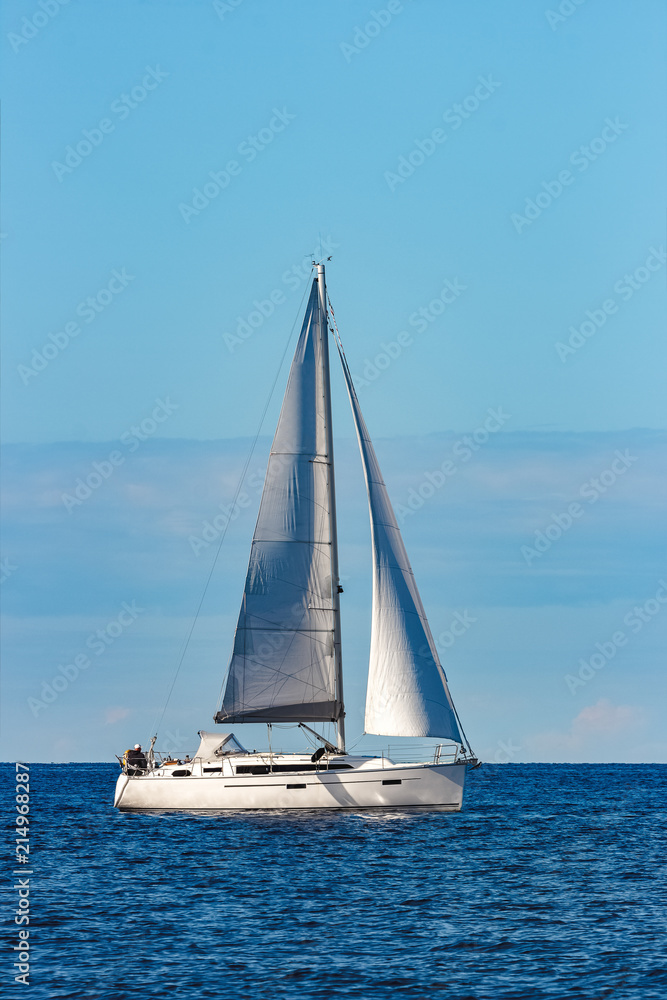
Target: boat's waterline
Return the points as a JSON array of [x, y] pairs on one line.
[[437, 786]]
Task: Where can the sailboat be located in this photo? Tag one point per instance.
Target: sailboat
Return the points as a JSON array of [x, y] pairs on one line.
[[286, 664]]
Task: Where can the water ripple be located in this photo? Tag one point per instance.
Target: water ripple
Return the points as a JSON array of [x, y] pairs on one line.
[[547, 887]]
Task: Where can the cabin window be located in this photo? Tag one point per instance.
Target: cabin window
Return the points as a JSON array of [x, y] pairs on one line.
[[212, 770], [181, 774], [391, 781], [295, 786]]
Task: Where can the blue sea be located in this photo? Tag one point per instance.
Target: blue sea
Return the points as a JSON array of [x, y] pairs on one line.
[[549, 884]]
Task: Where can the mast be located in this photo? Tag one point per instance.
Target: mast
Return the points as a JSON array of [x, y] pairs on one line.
[[335, 581]]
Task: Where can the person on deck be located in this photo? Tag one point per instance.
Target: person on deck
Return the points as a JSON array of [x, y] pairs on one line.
[[136, 760]]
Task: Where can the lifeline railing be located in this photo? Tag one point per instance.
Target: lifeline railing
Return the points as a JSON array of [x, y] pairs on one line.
[[442, 753], [154, 759], [411, 753]]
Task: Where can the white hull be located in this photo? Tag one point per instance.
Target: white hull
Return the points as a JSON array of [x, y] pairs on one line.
[[438, 786]]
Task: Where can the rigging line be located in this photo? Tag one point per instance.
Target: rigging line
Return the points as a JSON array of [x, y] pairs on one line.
[[339, 342], [236, 496], [356, 742], [341, 351], [466, 741]]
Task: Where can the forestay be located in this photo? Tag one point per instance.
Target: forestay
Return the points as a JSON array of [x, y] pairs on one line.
[[407, 689], [282, 665]]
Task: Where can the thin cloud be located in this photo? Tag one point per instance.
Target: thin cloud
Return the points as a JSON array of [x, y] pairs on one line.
[[598, 732], [113, 715]]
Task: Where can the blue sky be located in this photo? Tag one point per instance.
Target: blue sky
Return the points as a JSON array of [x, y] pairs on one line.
[[518, 264]]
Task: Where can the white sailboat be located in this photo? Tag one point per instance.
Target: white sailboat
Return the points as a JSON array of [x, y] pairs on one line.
[[286, 664]]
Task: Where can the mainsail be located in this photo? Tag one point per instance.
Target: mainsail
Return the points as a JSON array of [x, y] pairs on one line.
[[283, 666], [407, 691]]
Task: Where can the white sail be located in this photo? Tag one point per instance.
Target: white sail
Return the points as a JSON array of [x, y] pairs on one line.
[[407, 689], [282, 667]]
